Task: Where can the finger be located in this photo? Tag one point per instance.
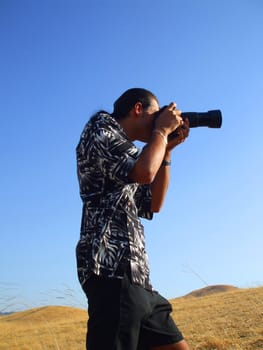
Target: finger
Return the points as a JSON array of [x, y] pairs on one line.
[[172, 106], [178, 113], [183, 131], [179, 118], [186, 120], [181, 121]]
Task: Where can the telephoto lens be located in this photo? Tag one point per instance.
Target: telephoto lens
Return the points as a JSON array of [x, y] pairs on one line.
[[211, 119]]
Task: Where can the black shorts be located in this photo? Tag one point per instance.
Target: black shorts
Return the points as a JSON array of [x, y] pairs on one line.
[[125, 316]]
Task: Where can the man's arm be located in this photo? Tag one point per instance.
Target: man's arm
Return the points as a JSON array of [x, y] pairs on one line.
[[149, 162], [162, 179], [160, 185]]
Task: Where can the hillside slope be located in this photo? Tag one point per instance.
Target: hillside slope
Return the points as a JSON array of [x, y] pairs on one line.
[[219, 288], [231, 320]]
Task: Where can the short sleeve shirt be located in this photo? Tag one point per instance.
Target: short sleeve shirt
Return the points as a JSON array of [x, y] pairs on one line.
[[111, 229]]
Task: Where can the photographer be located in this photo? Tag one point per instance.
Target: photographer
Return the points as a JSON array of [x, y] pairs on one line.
[[118, 185]]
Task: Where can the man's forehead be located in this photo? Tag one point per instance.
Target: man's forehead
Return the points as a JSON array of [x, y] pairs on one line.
[[154, 105]]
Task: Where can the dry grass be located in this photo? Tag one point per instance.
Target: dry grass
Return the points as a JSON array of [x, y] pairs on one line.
[[52, 327], [231, 320]]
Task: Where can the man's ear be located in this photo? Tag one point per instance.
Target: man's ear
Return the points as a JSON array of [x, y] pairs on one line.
[[138, 108]]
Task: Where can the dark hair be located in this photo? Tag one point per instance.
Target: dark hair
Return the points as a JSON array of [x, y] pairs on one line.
[[129, 98]]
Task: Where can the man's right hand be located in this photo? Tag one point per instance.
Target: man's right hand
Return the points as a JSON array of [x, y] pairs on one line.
[[169, 120]]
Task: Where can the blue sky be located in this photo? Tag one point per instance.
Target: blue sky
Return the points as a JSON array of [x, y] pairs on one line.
[[61, 61]]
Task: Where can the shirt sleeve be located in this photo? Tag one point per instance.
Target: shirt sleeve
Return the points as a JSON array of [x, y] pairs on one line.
[[143, 198], [115, 155]]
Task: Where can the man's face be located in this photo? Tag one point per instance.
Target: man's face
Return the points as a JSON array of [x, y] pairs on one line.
[[154, 107], [148, 120]]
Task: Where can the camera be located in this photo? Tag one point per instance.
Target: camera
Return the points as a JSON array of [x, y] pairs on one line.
[[210, 119]]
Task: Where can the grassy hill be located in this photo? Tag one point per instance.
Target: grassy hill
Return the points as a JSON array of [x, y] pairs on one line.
[[211, 319], [230, 320]]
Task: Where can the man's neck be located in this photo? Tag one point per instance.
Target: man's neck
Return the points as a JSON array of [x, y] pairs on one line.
[[128, 127]]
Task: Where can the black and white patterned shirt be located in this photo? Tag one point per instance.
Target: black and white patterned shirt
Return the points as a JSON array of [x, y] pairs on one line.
[[111, 229]]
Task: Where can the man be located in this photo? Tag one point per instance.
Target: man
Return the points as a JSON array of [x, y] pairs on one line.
[[119, 184]]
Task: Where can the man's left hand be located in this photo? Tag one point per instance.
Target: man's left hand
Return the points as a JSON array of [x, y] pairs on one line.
[[182, 133]]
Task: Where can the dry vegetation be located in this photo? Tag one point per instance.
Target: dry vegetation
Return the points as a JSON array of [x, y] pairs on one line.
[[229, 320]]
